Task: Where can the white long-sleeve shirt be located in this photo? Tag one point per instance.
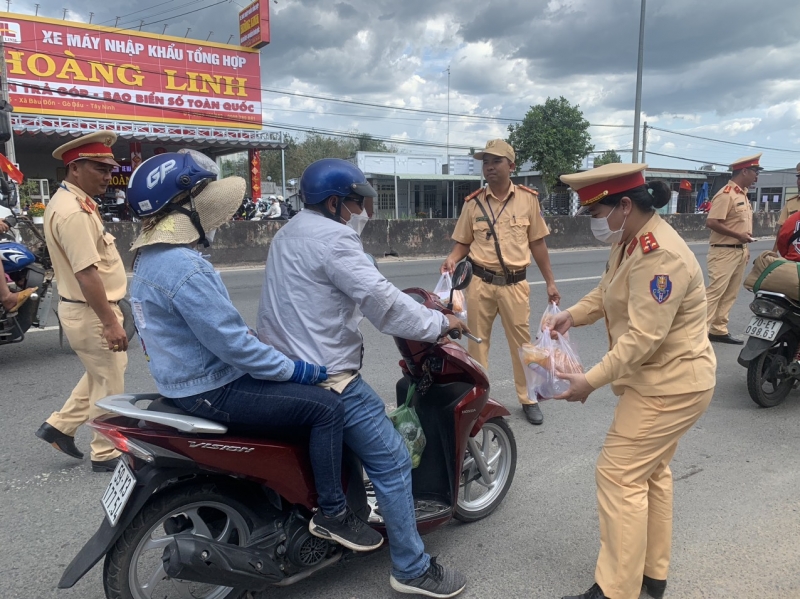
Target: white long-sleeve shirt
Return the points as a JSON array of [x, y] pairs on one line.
[[319, 284]]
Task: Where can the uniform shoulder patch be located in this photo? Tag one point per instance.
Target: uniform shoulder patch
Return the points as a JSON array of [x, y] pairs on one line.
[[528, 189], [648, 242], [87, 205], [727, 189], [473, 195], [661, 288]]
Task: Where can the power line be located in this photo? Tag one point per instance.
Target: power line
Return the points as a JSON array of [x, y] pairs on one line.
[[283, 126], [279, 91], [138, 11], [724, 141]]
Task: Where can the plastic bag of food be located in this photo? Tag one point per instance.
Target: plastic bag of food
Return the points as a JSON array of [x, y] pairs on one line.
[[565, 358], [543, 359], [443, 288], [406, 422]]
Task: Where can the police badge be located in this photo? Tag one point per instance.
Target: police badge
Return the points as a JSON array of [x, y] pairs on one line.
[[661, 288]]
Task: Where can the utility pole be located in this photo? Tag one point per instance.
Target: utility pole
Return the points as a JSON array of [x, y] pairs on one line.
[[8, 5], [37, 10], [116, 22], [644, 142], [141, 23], [448, 119], [64, 18], [91, 14], [638, 106], [229, 39], [188, 29], [163, 31], [283, 174], [210, 33]]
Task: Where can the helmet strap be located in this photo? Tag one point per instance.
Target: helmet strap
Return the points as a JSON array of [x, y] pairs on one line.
[[192, 212]]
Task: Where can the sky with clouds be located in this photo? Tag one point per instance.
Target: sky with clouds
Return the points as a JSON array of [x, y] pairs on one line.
[[722, 69]]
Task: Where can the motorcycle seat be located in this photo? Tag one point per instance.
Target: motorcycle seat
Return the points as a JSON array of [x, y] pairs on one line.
[[166, 405]]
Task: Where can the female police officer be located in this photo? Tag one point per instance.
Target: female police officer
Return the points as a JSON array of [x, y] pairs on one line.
[[660, 364]]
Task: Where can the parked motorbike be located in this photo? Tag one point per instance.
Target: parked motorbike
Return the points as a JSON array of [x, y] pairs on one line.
[[202, 509], [772, 352], [26, 267]]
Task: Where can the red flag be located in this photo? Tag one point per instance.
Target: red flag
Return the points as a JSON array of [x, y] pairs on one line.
[[686, 185], [12, 171]]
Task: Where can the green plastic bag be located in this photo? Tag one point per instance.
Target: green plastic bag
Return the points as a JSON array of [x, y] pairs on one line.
[[406, 422]]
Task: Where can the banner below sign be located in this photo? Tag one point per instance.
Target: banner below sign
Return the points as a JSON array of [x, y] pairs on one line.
[[254, 25]]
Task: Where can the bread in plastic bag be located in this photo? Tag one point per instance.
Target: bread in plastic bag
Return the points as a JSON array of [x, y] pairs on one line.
[[543, 359], [406, 422], [443, 288]]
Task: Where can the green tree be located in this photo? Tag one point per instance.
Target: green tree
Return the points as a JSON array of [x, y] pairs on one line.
[[607, 157], [300, 153], [554, 136]]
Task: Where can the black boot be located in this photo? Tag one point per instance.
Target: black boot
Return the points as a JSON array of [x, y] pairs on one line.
[[59, 440], [655, 588], [533, 413], [594, 593]]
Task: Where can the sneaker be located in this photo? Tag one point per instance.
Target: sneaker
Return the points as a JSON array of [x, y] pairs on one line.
[[437, 581], [346, 529]]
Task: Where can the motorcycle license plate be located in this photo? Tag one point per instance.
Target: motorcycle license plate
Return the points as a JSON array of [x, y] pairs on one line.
[[763, 328], [118, 492]]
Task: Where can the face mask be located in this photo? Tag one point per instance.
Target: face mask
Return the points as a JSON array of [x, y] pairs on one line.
[[602, 231], [357, 222]]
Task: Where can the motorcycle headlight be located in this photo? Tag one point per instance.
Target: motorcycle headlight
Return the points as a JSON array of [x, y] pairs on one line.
[[763, 307]]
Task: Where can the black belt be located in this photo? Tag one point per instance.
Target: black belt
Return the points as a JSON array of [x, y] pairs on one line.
[[495, 278], [738, 246], [70, 301]]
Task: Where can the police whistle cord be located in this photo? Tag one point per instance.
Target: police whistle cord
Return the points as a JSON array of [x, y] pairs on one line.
[[494, 237]]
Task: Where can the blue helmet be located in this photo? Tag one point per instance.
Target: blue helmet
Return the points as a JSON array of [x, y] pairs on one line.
[[333, 177], [162, 178]]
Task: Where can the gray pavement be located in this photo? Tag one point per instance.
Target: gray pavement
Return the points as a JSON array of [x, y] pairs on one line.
[[737, 512]]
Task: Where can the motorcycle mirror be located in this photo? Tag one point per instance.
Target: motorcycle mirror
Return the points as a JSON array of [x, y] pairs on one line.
[[371, 258], [462, 275]]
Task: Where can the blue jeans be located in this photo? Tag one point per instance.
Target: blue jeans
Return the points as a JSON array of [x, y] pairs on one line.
[[370, 434], [273, 406]]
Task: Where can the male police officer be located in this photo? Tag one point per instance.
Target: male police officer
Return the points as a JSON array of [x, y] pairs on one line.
[[731, 222], [91, 280], [500, 227]]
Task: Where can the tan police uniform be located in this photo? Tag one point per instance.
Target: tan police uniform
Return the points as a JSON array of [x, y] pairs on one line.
[[791, 206], [518, 222], [76, 239], [728, 256], [662, 367]]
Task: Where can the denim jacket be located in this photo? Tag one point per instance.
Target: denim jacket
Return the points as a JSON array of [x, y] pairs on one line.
[[193, 336]]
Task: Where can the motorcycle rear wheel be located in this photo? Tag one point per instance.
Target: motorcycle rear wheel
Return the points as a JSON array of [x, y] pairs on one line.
[[766, 384], [133, 568], [498, 449]]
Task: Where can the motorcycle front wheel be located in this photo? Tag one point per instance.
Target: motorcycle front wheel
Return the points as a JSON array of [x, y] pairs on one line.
[[133, 568], [768, 383], [497, 450]]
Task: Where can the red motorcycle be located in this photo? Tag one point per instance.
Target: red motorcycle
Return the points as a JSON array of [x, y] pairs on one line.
[[199, 509]]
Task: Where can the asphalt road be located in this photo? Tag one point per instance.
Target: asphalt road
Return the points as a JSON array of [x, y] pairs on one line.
[[737, 473]]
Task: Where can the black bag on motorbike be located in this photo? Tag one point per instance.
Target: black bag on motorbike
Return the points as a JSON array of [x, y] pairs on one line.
[[773, 273]]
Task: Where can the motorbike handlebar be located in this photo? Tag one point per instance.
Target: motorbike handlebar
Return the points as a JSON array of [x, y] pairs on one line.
[[456, 334]]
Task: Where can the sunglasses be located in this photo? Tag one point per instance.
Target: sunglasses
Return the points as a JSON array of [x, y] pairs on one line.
[[357, 199]]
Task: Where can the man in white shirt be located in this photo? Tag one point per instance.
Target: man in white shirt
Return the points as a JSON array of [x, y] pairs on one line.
[[322, 284]]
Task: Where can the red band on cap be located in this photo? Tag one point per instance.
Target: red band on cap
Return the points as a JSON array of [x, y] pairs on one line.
[[746, 164], [597, 191], [93, 150]]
